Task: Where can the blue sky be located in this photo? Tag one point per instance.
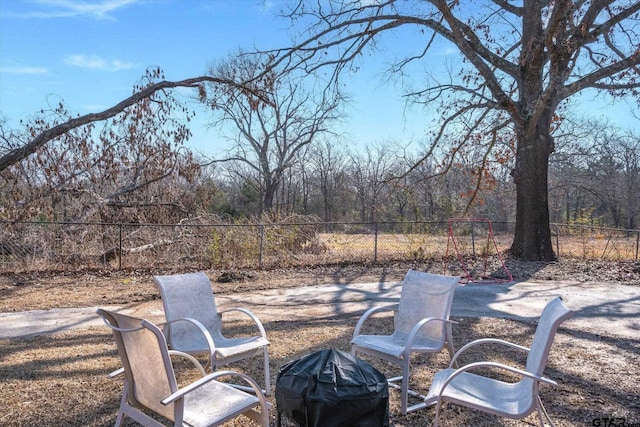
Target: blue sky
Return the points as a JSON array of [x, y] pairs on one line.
[[91, 53]]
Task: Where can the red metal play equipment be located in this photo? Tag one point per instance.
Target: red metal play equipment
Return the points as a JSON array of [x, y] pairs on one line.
[[455, 240]]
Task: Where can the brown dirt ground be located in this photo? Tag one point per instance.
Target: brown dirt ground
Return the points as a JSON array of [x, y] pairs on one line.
[[60, 379]]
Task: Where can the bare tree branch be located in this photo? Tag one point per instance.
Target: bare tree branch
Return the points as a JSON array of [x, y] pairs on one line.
[[17, 154]]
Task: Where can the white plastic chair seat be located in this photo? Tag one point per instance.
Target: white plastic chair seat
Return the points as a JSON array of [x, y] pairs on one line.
[[482, 393], [198, 410], [230, 402], [225, 347], [395, 345]]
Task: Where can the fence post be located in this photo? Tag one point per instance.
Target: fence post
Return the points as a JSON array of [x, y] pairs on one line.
[[637, 243], [473, 239], [120, 247], [261, 246], [557, 241], [375, 242]]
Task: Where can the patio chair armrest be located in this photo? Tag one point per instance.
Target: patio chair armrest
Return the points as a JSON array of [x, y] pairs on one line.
[[472, 366], [416, 328], [485, 341], [368, 314], [253, 317], [192, 359], [214, 376]]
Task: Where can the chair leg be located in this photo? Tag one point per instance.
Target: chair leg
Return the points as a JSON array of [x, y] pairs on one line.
[[119, 419], [449, 343], [541, 410], [123, 403], [267, 374], [264, 416], [404, 390], [437, 416]]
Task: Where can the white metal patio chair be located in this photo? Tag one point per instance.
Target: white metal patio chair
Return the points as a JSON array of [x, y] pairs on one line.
[[421, 325], [191, 296], [151, 388], [511, 400]]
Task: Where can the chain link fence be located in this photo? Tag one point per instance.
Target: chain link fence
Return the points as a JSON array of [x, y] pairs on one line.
[[57, 246]]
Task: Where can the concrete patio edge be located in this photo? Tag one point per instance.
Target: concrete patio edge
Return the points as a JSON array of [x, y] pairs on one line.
[[611, 309]]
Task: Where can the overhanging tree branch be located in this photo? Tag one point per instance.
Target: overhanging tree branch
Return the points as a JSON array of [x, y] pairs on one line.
[[18, 154]]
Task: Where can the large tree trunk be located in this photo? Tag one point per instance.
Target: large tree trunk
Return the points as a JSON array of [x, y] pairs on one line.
[[270, 187], [532, 239]]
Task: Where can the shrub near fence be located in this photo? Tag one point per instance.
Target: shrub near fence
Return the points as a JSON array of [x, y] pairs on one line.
[[46, 246]]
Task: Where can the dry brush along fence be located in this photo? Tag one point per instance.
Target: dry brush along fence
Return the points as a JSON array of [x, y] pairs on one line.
[[61, 246]]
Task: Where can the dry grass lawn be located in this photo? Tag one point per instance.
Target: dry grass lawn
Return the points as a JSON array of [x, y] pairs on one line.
[[61, 379]]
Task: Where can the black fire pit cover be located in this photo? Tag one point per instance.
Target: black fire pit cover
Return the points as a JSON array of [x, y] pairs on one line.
[[331, 388]]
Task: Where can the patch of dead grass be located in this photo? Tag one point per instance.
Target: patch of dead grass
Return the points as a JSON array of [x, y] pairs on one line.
[[61, 379]]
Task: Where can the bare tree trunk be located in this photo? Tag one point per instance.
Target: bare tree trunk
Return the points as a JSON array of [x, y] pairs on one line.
[[532, 239]]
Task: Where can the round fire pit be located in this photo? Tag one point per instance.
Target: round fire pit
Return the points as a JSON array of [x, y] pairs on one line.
[[331, 388]]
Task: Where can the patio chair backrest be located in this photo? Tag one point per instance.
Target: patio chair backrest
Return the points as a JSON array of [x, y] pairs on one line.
[[554, 313], [425, 295], [147, 365], [189, 296]]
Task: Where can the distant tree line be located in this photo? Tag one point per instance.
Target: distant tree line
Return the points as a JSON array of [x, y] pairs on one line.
[[124, 177], [594, 179]]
